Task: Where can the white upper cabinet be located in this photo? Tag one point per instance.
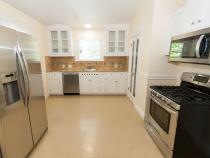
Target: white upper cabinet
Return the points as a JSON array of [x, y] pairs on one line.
[[195, 15], [117, 40], [191, 17], [59, 40]]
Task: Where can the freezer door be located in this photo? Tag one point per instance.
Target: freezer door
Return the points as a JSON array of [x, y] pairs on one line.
[[37, 108], [15, 131]]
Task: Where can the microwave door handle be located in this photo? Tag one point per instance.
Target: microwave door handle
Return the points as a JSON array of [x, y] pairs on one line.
[[206, 44], [198, 45], [26, 74], [21, 73]]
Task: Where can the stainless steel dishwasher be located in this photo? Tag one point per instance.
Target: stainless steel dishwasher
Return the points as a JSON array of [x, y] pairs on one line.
[[71, 83]]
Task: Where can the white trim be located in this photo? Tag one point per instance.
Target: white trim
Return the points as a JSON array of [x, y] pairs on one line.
[[117, 26], [12, 24], [136, 107], [7, 48], [139, 111], [47, 96]]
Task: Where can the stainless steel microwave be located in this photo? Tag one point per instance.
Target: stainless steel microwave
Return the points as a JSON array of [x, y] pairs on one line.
[[192, 47]]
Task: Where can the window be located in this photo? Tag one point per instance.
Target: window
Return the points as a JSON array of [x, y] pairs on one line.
[[176, 50], [88, 44], [89, 50]]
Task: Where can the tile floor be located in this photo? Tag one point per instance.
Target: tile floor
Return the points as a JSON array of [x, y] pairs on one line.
[[94, 127]]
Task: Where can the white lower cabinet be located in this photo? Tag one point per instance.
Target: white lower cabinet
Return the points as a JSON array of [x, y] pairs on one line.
[[88, 83], [103, 83], [55, 83], [91, 83]]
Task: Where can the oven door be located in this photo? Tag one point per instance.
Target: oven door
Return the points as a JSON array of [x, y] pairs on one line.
[[163, 120]]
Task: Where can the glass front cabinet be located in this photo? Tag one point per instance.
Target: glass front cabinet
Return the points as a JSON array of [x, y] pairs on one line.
[[60, 40], [117, 40]]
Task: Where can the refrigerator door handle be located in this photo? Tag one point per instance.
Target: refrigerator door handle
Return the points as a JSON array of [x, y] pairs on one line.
[[27, 76], [22, 72]]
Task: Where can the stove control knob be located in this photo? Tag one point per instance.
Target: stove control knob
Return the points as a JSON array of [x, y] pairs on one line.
[[168, 102], [153, 92], [158, 95]]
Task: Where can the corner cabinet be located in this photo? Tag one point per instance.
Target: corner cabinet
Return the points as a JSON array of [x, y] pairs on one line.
[[117, 40], [59, 40]]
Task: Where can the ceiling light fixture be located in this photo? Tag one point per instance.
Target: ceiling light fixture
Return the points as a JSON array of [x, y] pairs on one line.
[[88, 26]]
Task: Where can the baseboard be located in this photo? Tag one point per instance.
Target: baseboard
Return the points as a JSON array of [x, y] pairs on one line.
[[136, 107], [139, 111], [46, 95]]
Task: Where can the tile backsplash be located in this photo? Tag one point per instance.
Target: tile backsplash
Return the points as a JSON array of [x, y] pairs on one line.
[[110, 64]]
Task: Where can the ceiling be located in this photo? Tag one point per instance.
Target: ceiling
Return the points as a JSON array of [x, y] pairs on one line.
[[78, 12]]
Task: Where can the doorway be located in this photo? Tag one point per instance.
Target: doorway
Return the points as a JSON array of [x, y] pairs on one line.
[[134, 65]]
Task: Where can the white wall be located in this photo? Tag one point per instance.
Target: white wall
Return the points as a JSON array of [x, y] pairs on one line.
[[151, 22], [10, 16], [158, 61], [142, 24]]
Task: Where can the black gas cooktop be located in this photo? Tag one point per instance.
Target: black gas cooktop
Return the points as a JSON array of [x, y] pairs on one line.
[[181, 94]]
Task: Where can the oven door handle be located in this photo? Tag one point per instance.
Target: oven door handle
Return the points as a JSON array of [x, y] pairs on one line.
[[164, 106]]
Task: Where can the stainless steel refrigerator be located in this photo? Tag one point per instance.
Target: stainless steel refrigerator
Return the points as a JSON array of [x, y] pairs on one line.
[[23, 119]]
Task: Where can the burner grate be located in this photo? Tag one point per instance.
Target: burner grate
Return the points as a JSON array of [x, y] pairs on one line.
[[181, 94]]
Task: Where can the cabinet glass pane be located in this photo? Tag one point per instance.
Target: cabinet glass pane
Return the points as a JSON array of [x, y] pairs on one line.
[[121, 36], [65, 47], [121, 44], [64, 35], [112, 36], [111, 49], [112, 44], [121, 49], [54, 34], [55, 47]]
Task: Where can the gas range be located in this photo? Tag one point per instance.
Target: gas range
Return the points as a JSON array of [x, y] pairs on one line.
[[178, 117], [175, 96]]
